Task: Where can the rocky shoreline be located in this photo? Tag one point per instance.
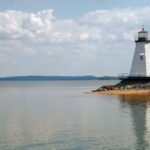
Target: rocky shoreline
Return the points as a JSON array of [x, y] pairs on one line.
[[124, 88]]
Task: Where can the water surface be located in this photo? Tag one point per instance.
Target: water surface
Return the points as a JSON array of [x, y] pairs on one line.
[[57, 115]]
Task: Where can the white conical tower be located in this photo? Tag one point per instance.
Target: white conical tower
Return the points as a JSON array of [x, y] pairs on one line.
[[141, 59]]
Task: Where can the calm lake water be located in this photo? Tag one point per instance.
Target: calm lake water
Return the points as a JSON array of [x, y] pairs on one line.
[[57, 115]]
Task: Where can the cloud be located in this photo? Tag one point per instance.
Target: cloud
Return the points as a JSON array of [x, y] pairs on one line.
[[98, 38]]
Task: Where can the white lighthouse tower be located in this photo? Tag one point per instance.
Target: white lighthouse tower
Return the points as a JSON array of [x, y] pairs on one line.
[[141, 60]]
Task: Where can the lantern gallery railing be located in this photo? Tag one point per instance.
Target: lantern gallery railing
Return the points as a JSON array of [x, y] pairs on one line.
[[141, 39], [123, 76]]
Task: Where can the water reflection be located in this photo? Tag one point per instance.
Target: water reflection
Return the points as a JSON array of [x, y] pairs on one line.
[[57, 115], [140, 111]]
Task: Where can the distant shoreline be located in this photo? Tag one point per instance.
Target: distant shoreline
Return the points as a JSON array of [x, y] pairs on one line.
[[56, 78]]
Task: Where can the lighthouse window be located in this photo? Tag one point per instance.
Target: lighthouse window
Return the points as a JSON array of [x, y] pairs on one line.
[[141, 57]]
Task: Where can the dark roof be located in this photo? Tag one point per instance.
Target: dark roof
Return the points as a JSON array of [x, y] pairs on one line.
[[142, 32]]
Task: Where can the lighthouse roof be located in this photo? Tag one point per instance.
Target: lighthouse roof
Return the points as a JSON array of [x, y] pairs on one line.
[[142, 31]]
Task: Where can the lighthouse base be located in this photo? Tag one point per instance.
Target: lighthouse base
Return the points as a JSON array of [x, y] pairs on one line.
[[133, 80]]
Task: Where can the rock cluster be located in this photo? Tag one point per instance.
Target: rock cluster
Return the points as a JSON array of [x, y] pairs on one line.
[[123, 87]]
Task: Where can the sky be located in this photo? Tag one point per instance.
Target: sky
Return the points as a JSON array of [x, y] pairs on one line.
[[69, 37]]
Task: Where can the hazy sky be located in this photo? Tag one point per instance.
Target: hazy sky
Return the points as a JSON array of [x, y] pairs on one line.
[[69, 37]]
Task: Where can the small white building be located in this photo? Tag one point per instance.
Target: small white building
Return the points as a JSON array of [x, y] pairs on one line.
[[141, 59]]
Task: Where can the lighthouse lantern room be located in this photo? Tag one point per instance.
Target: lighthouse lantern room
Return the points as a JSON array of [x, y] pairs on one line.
[[141, 60]]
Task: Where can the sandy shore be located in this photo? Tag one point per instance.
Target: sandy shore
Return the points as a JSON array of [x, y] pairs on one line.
[[124, 92]]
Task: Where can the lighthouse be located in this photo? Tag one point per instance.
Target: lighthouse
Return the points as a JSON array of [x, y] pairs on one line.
[[141, 59], [140, 68]]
